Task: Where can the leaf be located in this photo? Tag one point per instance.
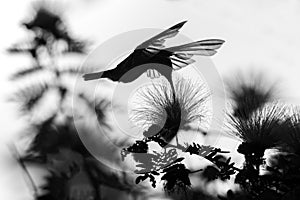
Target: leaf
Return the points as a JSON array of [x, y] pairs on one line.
[[228, 161], [193, 149], [140, 178], [26, 72], [155, 173], [152, 180], [179, 159], [176, 177], [29, 96], [210, 173], [139, 146], [76, 70]]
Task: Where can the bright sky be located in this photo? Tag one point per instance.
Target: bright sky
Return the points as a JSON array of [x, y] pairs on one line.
[[261, 35]]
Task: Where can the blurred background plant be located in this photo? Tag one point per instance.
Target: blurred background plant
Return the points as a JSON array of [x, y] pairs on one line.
[[46, 103]]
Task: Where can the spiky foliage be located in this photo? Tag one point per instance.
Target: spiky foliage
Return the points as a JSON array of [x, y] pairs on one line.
[[261, 125], [165, 114], [284, 166], [267, 128], [292, 139], [249, 96], [260, 131], [158, 107]]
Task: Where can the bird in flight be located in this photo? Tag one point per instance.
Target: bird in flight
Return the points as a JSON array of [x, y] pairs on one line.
[[152, 56]]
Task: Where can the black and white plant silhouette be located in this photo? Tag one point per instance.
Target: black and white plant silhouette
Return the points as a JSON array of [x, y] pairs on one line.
[[262, 124], [268, 131], [72, 172], [164, 117]]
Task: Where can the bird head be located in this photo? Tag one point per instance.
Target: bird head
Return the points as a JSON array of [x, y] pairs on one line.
[[94, 76]]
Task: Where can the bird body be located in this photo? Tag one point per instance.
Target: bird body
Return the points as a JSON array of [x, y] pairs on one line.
[[152, 56], [135, 59]]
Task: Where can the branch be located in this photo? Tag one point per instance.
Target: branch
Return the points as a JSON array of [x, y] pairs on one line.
[[25, 72], [23, 166]]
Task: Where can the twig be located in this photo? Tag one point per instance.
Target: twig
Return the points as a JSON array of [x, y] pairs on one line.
[[199, 170], [23, 166]]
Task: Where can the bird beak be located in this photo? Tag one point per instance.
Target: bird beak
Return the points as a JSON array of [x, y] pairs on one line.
[[93, 76]]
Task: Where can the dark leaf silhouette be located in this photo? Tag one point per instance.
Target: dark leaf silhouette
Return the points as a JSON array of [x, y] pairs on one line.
[[138, 147], [224, 166], [210, 173], [176, 178], [146, 176], [154, 161]]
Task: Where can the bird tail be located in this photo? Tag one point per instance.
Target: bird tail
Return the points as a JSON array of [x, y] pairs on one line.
[[92, 76], [202, 47]]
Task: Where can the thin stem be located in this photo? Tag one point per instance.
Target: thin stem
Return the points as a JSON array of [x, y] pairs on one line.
[[177, 142], [23, 166], [199, 170]]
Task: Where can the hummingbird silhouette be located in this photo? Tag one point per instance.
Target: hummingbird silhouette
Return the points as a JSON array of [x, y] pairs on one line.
[[152, 56]]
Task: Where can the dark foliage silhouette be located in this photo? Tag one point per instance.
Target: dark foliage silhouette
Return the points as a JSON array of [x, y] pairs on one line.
[[166, 165], [73, 173], [264, 126], [261, 131], [260, 124], [165, 116]]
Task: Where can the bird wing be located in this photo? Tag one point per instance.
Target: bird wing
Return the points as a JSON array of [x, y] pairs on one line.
[[181, 56], [156, 43]]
